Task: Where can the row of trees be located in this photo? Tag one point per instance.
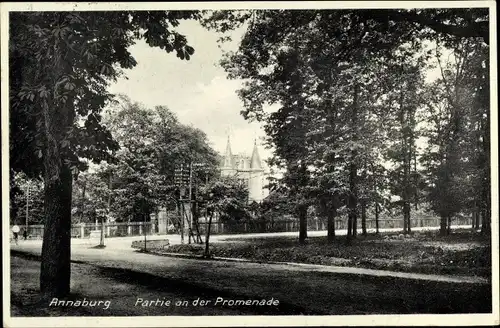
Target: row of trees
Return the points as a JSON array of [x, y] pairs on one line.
[[332, 72], [354, 105], [141, 179]]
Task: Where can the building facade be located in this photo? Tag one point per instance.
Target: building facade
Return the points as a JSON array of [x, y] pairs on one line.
[[249, 169]]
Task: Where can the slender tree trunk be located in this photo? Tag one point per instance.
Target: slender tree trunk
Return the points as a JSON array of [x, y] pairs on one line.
[[484, 221], [363, 217], [405, 222], [448, 230], [83, 201], [376, 218], [415, 181], [407, 218], [355, 225], [409, 222], [103, 222], [474, 216], [196, 222], [302, 223], [349, 227], [183, 211], [485, 204], [207, 237], [56, 248], [353, 170]]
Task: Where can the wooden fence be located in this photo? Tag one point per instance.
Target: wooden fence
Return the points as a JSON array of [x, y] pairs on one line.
[[236, 227]]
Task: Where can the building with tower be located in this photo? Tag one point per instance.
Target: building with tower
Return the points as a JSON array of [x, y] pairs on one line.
[[249, 169]]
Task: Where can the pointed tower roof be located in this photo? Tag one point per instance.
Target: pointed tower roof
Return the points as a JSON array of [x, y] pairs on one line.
[[255, 162], [228, 155]]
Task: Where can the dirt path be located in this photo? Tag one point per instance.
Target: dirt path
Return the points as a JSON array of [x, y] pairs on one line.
[[300, 290], [90, 283]]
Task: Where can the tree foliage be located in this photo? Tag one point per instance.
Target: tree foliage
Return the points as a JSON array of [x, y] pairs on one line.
[[61, 64], [349, 88], [153, 143]]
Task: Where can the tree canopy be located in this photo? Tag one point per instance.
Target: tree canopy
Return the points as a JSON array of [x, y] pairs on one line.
[[61, 64]]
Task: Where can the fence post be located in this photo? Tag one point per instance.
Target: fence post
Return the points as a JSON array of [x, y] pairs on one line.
[[140, 228], [82, 230], [129, 230]]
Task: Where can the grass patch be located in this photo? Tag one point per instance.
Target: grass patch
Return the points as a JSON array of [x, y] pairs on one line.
[[461, 253]]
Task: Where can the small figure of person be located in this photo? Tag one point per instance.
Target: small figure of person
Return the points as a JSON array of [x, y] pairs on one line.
[[25, 234], [15, 231]]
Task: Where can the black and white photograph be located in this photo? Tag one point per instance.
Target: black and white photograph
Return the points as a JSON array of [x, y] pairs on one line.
[[249, 164]]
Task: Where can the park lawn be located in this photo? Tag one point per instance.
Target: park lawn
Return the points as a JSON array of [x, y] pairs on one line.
[[462, 253]]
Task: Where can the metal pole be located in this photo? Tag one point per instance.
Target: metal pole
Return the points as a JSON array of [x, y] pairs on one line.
[[145, 233], [181, 203], [27, 207], [182, 222], [103, 223], [190, 216]]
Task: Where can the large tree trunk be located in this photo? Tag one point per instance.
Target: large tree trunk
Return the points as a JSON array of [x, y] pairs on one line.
[[405, 117], [352, 216], [406, 218], [477, 214], [415, 181], [56, 248], [363, 217], [484, 221], [409, 219], [55, 269], [353, 170], [332, 215], [443, 224], [302, 223], [485, 165], [349, 227], [355, 225], [474, 214]]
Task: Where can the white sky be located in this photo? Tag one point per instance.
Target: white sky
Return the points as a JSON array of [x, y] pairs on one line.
[[196, 90]]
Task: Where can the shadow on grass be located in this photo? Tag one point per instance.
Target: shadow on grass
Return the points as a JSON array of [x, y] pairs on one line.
[[187, 289], [98, 247], [420, 252]]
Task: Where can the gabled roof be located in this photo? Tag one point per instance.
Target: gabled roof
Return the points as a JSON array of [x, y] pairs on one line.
[[255, 162]]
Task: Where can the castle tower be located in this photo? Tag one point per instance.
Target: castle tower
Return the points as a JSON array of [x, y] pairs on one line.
[[228, 167], [256, 176]]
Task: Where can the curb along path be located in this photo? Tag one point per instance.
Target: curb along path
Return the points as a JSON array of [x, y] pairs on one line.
[[339, 269]]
